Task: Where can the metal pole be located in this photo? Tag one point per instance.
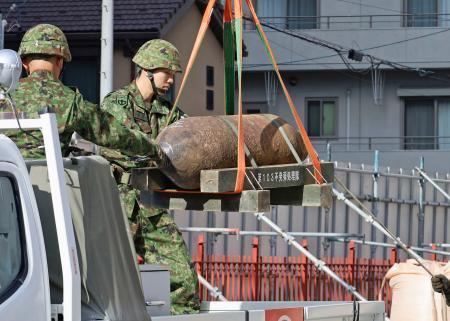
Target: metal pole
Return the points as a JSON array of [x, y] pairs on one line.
[[235, 231], [329, 151], [424, 175], [348, 93], [375, 177], [320, 265], [421, 214], [213, 291], [372, 220], [443, 245], [107, 48], [370, 243], [2, 31]]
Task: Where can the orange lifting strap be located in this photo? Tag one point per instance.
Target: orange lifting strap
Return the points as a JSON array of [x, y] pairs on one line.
[[238, 36]]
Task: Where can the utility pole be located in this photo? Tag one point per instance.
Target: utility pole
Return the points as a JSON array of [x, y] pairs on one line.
[[107, 48], [2, 31]]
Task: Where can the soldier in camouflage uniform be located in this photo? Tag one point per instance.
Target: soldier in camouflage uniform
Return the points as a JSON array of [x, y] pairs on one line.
[[44, 49], [140, 106]]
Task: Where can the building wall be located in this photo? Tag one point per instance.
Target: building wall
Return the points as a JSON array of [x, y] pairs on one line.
[[354, 30], [366, 118], [182, 35], [122, 69]]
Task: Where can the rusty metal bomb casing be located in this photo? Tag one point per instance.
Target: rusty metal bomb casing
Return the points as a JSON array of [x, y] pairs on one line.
[[196, 143]]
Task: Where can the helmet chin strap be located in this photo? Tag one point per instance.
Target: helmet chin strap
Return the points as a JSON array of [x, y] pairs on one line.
[[156, 91]]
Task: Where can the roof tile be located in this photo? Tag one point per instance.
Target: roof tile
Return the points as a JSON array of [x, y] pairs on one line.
[[85, 15]]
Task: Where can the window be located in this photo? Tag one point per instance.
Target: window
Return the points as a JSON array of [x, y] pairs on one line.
[[255, 107], [83, 73], [427, 13], [291, 14], [422, 13], [426, 123], [303, 13], [321, 117], [209, 76], [12, 253], [209, 99]]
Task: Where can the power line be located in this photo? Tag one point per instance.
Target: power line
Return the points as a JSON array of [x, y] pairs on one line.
[[429, 15], [340, 50], [327, 68], [335, 55], [409, 39], [324, 67], [370, 6]]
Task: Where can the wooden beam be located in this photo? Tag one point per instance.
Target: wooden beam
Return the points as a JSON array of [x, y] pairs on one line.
[[287, 196], [317, 195], [263, 177], [248, 201], [150, 178]]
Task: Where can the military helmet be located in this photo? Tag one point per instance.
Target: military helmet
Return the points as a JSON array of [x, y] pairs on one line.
[[158, 53], [45, 39]]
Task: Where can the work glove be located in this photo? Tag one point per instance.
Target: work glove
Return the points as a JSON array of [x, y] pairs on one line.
[[159, 157], [440, 284]]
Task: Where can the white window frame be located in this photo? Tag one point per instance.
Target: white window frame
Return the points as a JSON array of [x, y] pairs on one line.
[[336, 106]]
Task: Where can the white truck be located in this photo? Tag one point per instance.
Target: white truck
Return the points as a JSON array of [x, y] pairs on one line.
[[66, 254]]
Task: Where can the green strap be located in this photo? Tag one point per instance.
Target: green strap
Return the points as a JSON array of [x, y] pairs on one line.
[[229, 50]]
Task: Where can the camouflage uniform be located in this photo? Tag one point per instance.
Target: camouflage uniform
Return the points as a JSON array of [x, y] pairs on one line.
[[40, 89], [157, 238]]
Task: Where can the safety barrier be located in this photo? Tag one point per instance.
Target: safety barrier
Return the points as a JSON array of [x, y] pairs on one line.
[[257, 278]]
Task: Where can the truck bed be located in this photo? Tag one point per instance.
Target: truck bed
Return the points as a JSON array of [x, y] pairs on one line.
[[284, 311]]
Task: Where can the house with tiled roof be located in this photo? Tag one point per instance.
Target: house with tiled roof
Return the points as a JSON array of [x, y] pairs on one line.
[[135, 22]]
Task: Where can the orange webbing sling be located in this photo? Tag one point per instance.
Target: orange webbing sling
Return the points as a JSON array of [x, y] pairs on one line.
[[200, 36], [238, 36], [311, 151], [198, 41], [241, 155]]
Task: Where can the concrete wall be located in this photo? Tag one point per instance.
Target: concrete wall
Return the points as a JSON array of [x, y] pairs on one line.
[[353, 30], [122, 69], [366, 118], [183, 35]]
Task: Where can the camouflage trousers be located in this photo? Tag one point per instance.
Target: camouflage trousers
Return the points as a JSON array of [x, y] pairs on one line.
[[159, 241]]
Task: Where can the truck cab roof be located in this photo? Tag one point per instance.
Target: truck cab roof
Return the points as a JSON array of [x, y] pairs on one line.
[[9, 151]]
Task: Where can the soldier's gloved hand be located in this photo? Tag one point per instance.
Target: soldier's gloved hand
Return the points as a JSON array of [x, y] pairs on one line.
[[161, 160], [440, 284]]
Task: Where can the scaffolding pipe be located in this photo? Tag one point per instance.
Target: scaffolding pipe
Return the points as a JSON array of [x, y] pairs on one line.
[[443, 245], [320, 265], [371, 243], [432, 182], [364, 171], [370, 218], [235, 231], [213, 291]]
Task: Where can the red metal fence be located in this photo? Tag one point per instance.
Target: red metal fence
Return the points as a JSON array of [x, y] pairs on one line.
[[256, 278]]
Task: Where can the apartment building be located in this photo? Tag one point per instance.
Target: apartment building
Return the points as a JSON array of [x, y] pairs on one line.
[[358, 106]]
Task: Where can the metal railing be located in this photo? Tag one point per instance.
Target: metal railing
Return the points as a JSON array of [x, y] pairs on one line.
[[381, 143], [356, 22], [294, 278]]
